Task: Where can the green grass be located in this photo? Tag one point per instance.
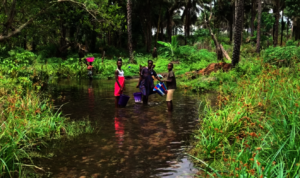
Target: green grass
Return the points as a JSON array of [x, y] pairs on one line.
[[255, 130], [27, 123]]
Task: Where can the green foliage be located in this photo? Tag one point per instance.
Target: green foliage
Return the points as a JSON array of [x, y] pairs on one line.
[[27, 122], [267, 22], [171, 46], [19, 56], [254, 132], [288, 55], [292, 8], [291, 43], [192, 55]]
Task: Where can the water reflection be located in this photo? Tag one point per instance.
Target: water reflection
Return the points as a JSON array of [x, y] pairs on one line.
[[91, 97], [119, 127], [136, 141]]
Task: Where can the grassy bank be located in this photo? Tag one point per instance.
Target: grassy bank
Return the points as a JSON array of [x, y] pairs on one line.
[[255, 131], [27, 123], [20, 63]]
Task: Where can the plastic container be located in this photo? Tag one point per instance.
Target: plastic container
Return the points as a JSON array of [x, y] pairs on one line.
[[164, 87], [159, 89], [137, 97], [90, 59], [123, 100]]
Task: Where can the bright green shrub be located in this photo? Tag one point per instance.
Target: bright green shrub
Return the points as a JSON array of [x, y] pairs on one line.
[[282, 55]]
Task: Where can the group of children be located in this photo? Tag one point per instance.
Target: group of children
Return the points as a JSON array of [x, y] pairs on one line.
[[146, 83]]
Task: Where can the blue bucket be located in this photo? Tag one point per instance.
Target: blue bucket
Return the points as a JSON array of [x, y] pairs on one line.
[[159, 89], [123, 100]]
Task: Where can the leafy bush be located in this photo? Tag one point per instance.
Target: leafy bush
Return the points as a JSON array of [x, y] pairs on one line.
[[288, 55], [19, 56]]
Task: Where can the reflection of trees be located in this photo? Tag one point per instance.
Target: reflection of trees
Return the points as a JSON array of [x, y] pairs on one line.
[[147, 133]]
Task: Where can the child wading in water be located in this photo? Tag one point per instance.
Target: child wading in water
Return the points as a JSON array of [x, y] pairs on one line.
[[120, 82], [146, 81], [171, 85], [90, 70]]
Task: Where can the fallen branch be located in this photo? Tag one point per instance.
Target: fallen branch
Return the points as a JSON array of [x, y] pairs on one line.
[[225, 53]]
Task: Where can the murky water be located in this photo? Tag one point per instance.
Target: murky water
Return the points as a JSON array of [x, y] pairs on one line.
[[136, 141]]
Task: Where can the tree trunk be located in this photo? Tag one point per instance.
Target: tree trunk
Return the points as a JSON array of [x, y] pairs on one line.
[[235, 16], [296, 31], [158, 28], [231, 30], [287, 28], [253, 14], [129, 28], [33, 44], [217, 44], [292, 31], [276, 27], [169, 26], [161, 31], [25, 42], [259, 9], [187, 21], [238, 31], [149, 27], [242, 29], [282, 29]]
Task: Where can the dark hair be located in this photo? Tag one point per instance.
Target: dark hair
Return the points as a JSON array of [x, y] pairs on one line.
[[150, 61], [119, 60]]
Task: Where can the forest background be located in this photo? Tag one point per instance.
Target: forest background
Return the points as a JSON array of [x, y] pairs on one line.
[[253, 132]]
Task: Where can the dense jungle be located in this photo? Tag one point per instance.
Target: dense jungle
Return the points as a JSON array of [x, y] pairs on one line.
[[236, 106]]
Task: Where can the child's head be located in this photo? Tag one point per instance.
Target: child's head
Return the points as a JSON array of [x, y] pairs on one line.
[[150, 64], [170, 66], [119, 63]]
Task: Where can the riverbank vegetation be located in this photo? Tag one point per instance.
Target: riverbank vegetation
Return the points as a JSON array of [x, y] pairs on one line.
[[253, 131], [28, 121]]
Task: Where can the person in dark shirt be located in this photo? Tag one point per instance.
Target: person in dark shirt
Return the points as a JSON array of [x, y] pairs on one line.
[[146, 82], [171, 85], [154, 53]]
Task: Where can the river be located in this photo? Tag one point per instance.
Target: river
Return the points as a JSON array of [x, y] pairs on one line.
[[136, 141]]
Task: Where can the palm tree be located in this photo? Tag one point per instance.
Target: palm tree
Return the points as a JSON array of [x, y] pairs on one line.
[[259, 9], [190, 15], [129, 28], [176, 4], [238, 31]]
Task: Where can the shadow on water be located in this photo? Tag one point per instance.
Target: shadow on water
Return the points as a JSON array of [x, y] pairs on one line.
[[136, 141]]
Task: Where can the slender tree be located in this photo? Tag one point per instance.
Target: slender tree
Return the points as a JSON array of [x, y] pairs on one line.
[[276, 25], [129, 29], [238, 32], [282, 29], [253, 14], [259, 9]]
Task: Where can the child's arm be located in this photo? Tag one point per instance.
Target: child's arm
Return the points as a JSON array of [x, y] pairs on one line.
[[140, 79], [168, 80], [155, 75]]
